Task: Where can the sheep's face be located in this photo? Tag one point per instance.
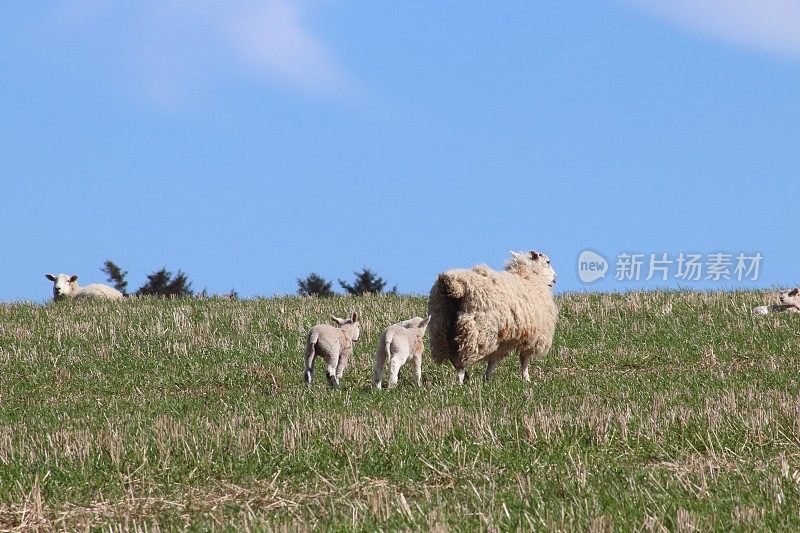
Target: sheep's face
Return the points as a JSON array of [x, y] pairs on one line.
[[791, 297], [532, 265], [63, 285]]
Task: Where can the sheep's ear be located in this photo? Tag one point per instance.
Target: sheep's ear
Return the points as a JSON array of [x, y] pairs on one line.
[[535, 255], [50, 277], [354, 318], [424, 323], [73, 279], [338, 320], [516, 255], [794, 291]]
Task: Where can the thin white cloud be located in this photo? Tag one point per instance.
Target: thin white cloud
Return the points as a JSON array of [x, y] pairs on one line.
[[271, 38], [769, 25], [176, 46]]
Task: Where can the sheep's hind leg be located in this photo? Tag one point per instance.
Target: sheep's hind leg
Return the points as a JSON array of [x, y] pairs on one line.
[[524, 361], [377, 371], [492, 362], [309, 371], [330, 371], [344, 358], [394, 370], [490, 366]]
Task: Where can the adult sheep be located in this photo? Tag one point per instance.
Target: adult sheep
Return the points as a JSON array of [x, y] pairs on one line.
[[480, 314], [65, 286], [789, 303]]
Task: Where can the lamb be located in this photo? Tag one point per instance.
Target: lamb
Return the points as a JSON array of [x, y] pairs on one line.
[[399, 343], [65, 286], [790, 303], [334, 345], [480, 314]]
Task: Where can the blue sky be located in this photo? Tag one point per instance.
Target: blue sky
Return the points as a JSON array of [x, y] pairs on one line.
[[249, 143]]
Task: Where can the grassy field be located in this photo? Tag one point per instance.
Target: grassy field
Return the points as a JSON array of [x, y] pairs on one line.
[[653, 411]]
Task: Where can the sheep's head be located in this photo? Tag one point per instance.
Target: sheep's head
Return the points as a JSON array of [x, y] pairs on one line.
[[349, 325], [63, 285], [791, 297], [532, 265]]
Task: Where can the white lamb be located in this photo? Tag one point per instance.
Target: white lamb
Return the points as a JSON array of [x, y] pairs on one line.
[[334, 345], [65, 286], [479, 314], [399, 343], [790, 303]]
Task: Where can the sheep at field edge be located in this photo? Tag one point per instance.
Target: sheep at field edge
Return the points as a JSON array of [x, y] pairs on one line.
[[65, 286], [334, 345], [789, 303], [399, 343], [480, 314]]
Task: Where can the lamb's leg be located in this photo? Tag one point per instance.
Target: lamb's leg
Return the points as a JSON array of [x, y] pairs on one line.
[[463, 375], [377, 371], [309, 371], [418, 369], [394, 369], [330, 370], [344, 358]]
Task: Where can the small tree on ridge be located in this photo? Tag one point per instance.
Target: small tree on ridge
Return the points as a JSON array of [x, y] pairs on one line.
[[314, 285]]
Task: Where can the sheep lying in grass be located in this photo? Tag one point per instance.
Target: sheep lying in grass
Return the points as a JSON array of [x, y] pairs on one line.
[[480, 314], [399, 343], [334, 345], [65, 286], [790, 303]]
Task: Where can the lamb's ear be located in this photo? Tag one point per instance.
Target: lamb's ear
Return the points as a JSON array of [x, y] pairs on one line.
[[794, 291], [354, 318], [535, 255], [424, 323], [516, 255], [338, 320], [50, 277], [73, 279]]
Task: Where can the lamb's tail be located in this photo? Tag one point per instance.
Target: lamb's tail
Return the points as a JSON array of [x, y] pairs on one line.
[[444, 306], [311, 346], [381, 356]]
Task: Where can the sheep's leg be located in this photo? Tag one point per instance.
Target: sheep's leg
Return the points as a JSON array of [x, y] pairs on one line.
[[418, 369], [330, 370], [524, 360], [463, 375], [490, 366], [344, 358], [492, 362], [377, 371], [394, 369], [309, 371]]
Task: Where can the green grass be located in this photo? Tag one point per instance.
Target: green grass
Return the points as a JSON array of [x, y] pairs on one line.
[[653, 411]]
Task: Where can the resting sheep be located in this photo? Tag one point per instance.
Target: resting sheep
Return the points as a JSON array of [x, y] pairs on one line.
[[399, 343], [790, 303], [480, 314], [65, 286], [334, 345]]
